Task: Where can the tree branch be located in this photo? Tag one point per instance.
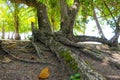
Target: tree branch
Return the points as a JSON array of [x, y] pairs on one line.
[[114, 39], [110, 12], [27, 2], [68, 16], [64, 16], [73, 10], [91, 39], [98, 25]]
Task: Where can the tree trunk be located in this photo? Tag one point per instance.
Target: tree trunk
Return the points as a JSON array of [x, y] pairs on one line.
[[16, 23], [66, 56], [55, 42], [43, 21], [3, 32]]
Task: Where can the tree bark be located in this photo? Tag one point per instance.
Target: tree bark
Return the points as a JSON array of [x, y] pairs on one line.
[[16, 22], [43, 21], [65, 19], [68, 16], [62, 53]]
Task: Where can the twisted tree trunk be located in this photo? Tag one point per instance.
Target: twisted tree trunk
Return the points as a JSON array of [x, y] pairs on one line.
[[59, 43]]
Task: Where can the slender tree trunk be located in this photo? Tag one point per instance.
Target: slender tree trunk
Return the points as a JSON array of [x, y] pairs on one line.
[[98, 25], [53, 23], [16, 22], [3, 32]]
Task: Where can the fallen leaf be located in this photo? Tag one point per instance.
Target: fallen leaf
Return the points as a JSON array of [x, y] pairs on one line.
[[45, 73]]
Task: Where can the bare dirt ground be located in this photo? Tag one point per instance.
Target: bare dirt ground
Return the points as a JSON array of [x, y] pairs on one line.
[[109, 66], [13, 69]]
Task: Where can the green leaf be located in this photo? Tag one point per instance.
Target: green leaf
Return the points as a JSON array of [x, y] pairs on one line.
[[77, 75]]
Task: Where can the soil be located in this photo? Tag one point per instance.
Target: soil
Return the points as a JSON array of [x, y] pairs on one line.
[[15, 69]]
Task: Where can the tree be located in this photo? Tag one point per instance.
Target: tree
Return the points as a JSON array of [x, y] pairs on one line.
[[5, 19], [13, 24], [61, 42], [14, 9]]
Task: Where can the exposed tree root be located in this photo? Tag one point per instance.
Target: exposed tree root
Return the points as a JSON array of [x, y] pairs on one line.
[[87, 72], [25, 60], [38, 50]]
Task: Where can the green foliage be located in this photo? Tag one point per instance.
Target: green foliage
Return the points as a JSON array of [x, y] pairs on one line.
[[54, 14], [76, 76], [26, 14], [70, 2], [79, 26], [7, 16]]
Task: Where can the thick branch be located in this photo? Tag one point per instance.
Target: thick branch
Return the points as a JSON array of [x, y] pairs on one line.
[[98, 25], [90, 38], [68, 15], [64, 16], [73, 13]]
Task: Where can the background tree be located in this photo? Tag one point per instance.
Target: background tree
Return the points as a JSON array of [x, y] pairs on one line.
[[7, 15], [5, 18]]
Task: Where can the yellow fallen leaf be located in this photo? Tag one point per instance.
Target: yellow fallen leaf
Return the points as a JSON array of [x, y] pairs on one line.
[[45, 73]]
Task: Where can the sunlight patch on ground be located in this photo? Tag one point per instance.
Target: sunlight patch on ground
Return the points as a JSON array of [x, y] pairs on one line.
[[116, 56]]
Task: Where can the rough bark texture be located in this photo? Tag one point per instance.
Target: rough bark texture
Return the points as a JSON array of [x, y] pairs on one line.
[[87, 72], [68, 16], [43, 20], [63, 52]]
